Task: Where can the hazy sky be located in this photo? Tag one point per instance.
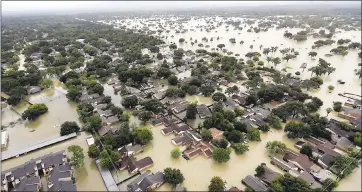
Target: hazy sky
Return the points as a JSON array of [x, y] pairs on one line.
[[85, 6]]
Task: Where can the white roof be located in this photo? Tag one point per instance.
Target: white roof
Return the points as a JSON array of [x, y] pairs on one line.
[[4, 136], [90, 140]]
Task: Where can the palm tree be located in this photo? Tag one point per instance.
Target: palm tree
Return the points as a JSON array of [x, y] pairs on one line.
[[303, 66], [268, 59], [328, 110], [276, 61]]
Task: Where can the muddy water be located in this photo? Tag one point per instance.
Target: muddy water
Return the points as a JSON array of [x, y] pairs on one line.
[[200, 99], [351, 182], [47, 126], [199, 171], [116, 98], [88, 177], [344, 65], [344, 70]]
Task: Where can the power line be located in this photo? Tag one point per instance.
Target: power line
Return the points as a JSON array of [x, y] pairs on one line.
[[340, 173]]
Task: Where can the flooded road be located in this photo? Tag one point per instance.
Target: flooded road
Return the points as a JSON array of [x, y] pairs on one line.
[[199, 171], [87, 178]]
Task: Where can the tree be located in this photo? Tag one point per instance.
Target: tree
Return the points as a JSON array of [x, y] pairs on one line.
[[46, 83], [234, 136], [93, 151], [173, 176], [312, 54], [240, 126], [207, 90], [329, 184], [290, 183], [206, 135], [276, 147], [291, 108], [73, 94], [216, 184], [93, 123], [276, 61], [330, 88], [175, 153], [307, 150], [172, 80], [34, 111], [240, 148], [143, 135], [191, 111], [145, 116], [260, 170], [77, 158], [69, 127], [296, 129], [107, 158], [337, 106], [253, 134], [274, 121], [130, 101], [264, 128], [344, 165], [219, 97], [357, 138], [221, 155], [329, 110]]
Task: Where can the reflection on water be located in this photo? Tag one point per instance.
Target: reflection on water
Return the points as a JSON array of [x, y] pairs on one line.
[[88, 177], [199, 171]]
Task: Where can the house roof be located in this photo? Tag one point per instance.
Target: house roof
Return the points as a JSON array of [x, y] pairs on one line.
[[30, 183], [235, 189], [327, 159], [269, 175], [145, 162], [111, 119], [254, 183], [106, 129], [283, 164], [302, 160], [128, 148], [146, 179], [216, 133], [60, 176], [344, 143]]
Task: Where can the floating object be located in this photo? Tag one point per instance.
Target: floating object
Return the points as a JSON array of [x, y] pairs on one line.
[[32, 130]]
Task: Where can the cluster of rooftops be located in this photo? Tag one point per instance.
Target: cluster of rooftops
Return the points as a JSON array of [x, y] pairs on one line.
[[27, 177]]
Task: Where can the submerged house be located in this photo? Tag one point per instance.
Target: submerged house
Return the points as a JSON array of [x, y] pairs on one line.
[[196, 149], [31, 170], [130, 149], [61, 179], [269, 175], [254, 183], [174, 128], [132, 165], [165, 121], [203, 111], [147, 181], [301, 161]]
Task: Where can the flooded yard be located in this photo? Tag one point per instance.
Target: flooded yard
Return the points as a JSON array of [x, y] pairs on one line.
[[47, 126], [87, 178], [199, 171]]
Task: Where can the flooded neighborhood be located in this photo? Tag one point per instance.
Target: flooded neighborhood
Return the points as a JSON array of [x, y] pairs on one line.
[[229, 99]]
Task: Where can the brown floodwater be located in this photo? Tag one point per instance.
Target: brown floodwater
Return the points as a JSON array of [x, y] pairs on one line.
[[47, 126], [199, 171], [87, 178]]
